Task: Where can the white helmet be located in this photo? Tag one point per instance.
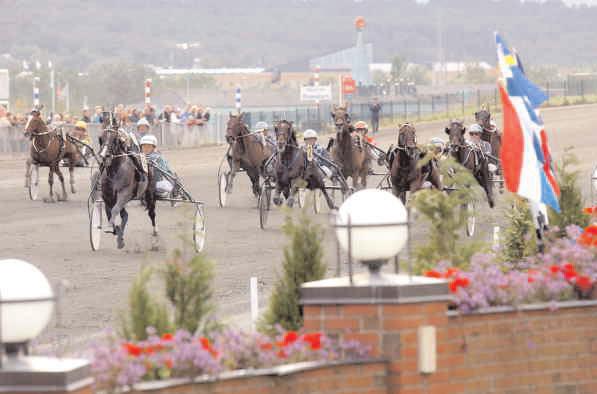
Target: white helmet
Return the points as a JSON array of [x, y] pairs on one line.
[[309, 133], [437, 141], [149, 139], [261, 126], [475, 128], [143, 122]]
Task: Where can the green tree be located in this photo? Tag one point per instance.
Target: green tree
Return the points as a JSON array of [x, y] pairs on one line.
[[144, 311], [117, 82], [303, 262], [571, 199], [398, 68], [519, 239], [189, 289], [446, 215]]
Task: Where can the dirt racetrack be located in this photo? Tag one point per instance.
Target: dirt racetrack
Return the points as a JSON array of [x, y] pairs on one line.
[[55, 237]]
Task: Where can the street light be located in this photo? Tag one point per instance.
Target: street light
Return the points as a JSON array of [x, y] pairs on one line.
[[372, 227], [26, 304]]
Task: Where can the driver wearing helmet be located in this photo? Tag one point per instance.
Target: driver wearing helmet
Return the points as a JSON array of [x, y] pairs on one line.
[[475, 131], [262, 130], [363, 130], [149, 147], [143, 127], [80, 133], [438, 145], [322, 156]]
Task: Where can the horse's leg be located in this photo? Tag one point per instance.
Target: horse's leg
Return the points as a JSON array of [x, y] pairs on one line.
[[71, 177], [293, 190], [114, 213], [234, 168], [328, 199], [28, 173], [150, 203], [50, 198], [254, 176], [61, 178]]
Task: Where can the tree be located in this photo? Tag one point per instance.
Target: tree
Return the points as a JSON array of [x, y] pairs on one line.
[[571, 199], [519, 238], [398, 68], [302, 263], [117, 82]]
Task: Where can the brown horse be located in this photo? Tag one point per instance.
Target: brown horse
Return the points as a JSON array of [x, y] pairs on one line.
[[294, 165], [490, 133], [349, 150], [247, 151], [470, 158], [406, 171], [48, 148]]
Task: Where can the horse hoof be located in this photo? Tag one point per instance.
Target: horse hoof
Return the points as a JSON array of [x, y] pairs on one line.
[[73, 190], [120, 243], [290, 202], [277, 201], [50, 200], [63, 198]]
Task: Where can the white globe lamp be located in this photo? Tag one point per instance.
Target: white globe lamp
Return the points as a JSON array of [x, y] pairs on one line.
[[26, 304], [372, 227]]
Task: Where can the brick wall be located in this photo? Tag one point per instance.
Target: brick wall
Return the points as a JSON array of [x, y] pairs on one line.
[[367, 377], [533, 350]]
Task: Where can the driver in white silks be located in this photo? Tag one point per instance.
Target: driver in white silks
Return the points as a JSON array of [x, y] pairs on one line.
[[262, 130], [149, 147], [475, 131], [322, 156]]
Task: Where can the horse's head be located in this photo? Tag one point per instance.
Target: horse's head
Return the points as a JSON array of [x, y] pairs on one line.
[[341, 116], [407, 136], [113, 140], [455, 131], [234, 127], [483, 117], [285, 135], [35, 124]]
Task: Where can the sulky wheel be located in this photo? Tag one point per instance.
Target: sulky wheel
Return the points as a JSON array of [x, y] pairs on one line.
[[96, 219], [471, 219], [199, 228], [34, 183], [264, 205]]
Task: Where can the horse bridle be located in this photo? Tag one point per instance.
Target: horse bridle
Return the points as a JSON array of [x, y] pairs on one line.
[[34, 136]]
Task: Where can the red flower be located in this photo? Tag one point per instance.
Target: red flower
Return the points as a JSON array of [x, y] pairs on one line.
[[314, 340], [281, 354], [433, 274], [214, 353], [569, 275], [204, 343], [584, 282], [451, 272], [530, 279], [167, 337], [453, 286], [266, 346], [148, 350], [132, 349], [589, 210], [592, 229], [169, 363], [290, 337], [568, 267], [554, 269], [463, 281]]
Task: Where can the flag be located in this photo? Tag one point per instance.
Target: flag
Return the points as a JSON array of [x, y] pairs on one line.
[[525, 155]]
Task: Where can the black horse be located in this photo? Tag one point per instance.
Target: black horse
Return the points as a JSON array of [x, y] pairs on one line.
[[295, 166], [470, 157], [121, 180]]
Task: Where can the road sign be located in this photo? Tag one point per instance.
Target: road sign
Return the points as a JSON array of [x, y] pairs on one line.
[[316, 93], [349, 85]]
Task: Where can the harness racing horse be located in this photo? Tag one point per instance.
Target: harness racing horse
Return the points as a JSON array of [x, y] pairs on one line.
[[294, 165], [349, 150], [246, 151], [490, 133], [406, 171], [470, 158], [48, 148], [120, 180]]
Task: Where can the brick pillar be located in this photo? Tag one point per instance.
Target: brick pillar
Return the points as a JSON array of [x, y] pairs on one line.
[[386, 315]]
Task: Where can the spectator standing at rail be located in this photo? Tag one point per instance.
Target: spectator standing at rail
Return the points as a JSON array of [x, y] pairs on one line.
[[149, 113], [375, 109], [4, 122], [166, 115], [97, 117], [207, 114], [85, 115]]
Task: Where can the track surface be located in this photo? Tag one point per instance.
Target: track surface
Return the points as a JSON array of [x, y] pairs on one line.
[[55, 236]]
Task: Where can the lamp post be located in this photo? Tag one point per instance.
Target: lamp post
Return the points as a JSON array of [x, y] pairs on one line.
[[26, 304], [372, 227]]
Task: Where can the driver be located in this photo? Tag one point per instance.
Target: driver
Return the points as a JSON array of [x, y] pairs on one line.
[[149, 147], [262, 130], [80, 133], [475, 131], [322, 156]]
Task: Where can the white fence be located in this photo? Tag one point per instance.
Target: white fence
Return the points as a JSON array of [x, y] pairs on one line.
[[170, 136]]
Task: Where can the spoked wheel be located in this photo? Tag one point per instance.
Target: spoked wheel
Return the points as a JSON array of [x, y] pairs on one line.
[[471, 219], [96, 219], [264, 205], [199, 229], [301, 197], [317, 200], [223, 177], [34, 183]]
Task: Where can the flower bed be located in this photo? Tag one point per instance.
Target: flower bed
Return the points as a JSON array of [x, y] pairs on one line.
[[567, 271], [118, 363]]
